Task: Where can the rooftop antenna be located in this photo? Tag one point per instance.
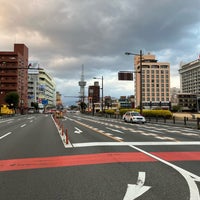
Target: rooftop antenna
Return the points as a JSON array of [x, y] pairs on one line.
[[82, 85]]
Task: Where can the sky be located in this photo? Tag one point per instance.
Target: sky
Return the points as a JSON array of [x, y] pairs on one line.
[[64, 35]]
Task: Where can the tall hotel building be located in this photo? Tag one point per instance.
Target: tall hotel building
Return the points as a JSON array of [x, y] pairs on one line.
[[155, 82]]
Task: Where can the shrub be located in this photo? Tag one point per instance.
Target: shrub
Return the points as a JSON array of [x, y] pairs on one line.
[[157, 113], [110, 111]]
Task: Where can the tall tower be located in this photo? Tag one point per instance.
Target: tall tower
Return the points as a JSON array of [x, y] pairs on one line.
[[82, 85]]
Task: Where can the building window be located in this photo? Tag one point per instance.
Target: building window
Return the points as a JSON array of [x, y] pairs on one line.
[[163, 66], [154, 66]]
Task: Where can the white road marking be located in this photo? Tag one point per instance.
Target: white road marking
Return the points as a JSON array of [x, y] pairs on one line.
[[23, 125], [115, 130], [9, 121], [89, 144], [118, 138], [189, 177], [136, 190], [78, 131], [5, 135], [141, 130], [109, 134]]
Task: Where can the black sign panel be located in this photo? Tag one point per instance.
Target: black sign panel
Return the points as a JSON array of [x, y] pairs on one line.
[[125, 76]]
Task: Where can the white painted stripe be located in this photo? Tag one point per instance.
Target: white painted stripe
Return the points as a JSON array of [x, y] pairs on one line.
[[118, 138], [109, 134], [190, 134], [23, 125], [171, 131], [161, 138], [9, 120], [88, 144], [5, 135]]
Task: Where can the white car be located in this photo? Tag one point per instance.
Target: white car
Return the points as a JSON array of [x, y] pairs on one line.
[[133, 117]]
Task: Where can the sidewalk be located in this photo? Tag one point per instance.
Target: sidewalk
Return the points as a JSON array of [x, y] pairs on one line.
[[181, 115]]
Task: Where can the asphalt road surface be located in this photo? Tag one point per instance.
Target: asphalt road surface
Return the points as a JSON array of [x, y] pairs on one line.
[[93, 158]]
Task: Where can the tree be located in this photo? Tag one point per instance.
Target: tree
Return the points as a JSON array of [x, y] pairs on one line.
[[35, 105], [176, 108], [12, 99], [83, 106]]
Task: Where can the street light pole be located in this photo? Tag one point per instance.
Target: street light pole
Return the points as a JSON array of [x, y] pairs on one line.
[[140, 55], [102, 93]]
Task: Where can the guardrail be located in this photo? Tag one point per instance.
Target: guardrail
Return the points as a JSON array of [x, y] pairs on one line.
[[185, 121], [176, 121]]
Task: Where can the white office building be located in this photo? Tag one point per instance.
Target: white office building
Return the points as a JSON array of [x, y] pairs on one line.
[[41, 87]]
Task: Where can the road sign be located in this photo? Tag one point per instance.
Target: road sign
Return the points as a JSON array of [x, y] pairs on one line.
[[125, 76]]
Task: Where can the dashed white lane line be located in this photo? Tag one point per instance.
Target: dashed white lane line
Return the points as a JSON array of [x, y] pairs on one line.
[[23, 125], [115, 130], [5, 135]]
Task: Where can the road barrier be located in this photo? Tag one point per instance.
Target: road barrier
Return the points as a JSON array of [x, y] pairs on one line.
[[60, 127], [66, 135]]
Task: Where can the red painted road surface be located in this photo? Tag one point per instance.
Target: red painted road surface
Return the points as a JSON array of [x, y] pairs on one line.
[[89, 159]]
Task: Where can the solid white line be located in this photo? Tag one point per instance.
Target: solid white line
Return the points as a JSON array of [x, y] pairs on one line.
[[89, 144], [5, 135]]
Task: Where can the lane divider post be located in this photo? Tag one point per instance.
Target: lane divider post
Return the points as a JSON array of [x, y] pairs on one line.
[[66, 135], [62, 129]]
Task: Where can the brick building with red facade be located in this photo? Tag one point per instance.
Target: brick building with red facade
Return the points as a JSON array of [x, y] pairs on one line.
[[14, 74]]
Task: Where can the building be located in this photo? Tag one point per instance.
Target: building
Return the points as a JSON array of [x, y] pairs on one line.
[[14, 74], [93, 95], [190, 77], [174, 95], [187, 102], [59, 104], [41, 87], [155, 82], [127, 102], [190, 85]]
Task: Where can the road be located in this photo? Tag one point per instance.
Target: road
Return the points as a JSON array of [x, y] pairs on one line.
[[103, 159]]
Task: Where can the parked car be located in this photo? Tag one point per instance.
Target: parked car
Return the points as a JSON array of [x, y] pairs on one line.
[[133, 117]]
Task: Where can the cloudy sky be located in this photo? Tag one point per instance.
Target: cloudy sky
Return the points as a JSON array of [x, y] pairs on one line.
[[63, 35]]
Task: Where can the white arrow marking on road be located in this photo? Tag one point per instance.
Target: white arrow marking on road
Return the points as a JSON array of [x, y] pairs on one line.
[[78, 131], [189, 177], [136, 190]]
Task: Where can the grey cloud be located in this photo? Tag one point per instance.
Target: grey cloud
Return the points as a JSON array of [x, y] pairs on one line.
[[65, 34]]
